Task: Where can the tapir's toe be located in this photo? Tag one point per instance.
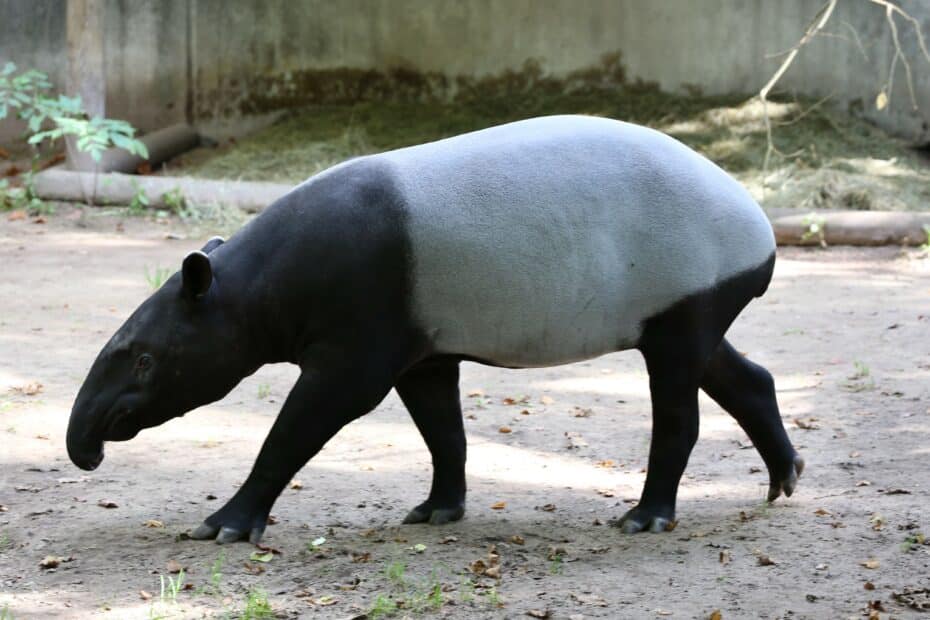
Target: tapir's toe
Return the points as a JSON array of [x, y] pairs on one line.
[[225, 534], [427, 513], [787, 483], [642, 520]]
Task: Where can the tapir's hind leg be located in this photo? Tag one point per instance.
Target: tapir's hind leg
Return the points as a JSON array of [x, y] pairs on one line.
[[677, 345], [430, 391], [747, 392]]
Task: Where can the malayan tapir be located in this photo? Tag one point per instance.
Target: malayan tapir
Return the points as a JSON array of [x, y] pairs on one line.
[[535, 243]]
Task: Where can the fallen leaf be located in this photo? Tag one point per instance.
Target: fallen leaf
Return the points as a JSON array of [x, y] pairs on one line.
[[877, 521], [268, 548], [16, 215], [715, 615], [257, 556], [823, 512], [297, 485], [606, 464], [863, 483], [254, 569], [325, 601], [145, 596], [538, 613], [807, 425], [39, 220], [51, 561], [547, 508], [517, 539], [868, 585], [493, 571], [582, 413], [546, 400], [29, 389], [498, 506], [476, 393], [478, 567], [605, 492], [895, 492], [589, 599], [765, 560], [448, 539], [504, 429], [154, 523], [107, 503], [870, 564], [419, 548], [519, 400], [724, 557], [174, 566]]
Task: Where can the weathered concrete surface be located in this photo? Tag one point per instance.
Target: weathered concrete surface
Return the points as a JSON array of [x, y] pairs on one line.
[[854, 228], [206, 60], [119, 189]]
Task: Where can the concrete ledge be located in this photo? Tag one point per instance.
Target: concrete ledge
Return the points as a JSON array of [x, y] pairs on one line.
[[853, 228], [119, 189], [839, 227]]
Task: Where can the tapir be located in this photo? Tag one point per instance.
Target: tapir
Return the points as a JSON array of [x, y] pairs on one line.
[[534, 243]]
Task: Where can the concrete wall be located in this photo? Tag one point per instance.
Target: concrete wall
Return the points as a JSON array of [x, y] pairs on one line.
[[202, 60]]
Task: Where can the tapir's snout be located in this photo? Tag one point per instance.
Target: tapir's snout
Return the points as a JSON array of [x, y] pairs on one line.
[[84, 439]]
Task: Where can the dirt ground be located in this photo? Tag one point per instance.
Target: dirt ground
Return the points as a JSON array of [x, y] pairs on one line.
[[846, 333]]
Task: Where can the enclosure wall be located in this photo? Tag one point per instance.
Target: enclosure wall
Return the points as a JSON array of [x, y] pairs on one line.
[[204, 60]]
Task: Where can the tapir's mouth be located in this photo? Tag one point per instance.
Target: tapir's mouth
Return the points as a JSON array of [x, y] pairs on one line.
[[88, 460]]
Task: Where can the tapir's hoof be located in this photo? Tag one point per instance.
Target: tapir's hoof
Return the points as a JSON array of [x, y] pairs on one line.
[[787, 484], [642, 520], [225, 535], [426, 513]]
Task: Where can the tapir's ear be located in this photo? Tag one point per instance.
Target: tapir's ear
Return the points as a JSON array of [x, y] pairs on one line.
[[212, 244], [196, 275]]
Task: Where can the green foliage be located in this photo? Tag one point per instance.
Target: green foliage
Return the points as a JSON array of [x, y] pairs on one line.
[[170, 589], [176, 202], [815, 228], [256, 606], [926, 246], [157, 277], [29, 95], [139, 202]]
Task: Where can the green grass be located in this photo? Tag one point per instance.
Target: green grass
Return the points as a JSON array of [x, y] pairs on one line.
[[156, 277], [256, 606]]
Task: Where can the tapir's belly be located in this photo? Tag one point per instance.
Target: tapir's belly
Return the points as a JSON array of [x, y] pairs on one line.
[[553, 240]]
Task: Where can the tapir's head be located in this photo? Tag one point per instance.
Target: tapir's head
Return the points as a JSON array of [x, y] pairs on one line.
[[175, 353]]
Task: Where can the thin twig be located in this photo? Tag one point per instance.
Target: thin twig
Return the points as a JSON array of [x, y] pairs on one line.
[[890, 10], [820, 20]]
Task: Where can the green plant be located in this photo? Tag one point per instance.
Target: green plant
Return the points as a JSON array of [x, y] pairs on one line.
[[157, 277], [395, 572], [5, 613], [315, 545], [493, 597], [913, 540], [176, 202], [263, 391], [169, 591], [256, 606], [216, 574], [383, 607], [926, 246], [140, 200], [556, 565], [4, 540], [815, 228]]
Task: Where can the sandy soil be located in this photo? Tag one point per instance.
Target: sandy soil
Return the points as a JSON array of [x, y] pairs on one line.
[[845, 332]]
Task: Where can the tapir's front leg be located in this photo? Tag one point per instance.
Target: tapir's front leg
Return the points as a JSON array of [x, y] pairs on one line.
[[326, 397]]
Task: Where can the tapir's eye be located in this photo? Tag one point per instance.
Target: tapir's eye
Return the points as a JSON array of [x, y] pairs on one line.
[[143, 364]]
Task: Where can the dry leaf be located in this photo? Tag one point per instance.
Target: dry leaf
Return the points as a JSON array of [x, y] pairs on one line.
[[153, 523], [538, 613], [478, 567], [254, 569], [582, 413], [174, 566], [360, 558], [517, 539], [881, 100], [145, 596], [498, 506], [807, 425], [107, 503], [765, 560], [605, 492], [715, 615], [324, 601], [823, 512], [51, 561], [868, 585], [546, 400], [493, 572], [504, 429], [547, 508], [448, 539], [16, 215], [863, 483], [606, 464], [29, 389], [725, 557], [575, 440], [870, 564], [297, 485], [589, 599]]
